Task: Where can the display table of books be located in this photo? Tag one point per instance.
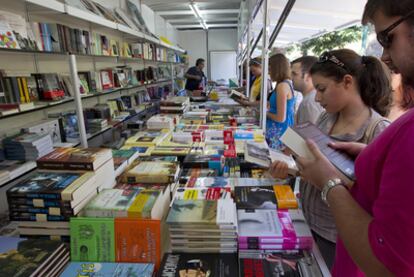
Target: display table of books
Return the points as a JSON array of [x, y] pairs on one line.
[[192, 198]]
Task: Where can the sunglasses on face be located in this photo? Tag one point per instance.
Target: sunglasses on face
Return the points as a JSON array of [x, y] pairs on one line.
[[328, 57], [385, 38]]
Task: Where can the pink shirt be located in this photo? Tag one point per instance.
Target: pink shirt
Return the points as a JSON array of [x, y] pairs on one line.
[[385, 189]]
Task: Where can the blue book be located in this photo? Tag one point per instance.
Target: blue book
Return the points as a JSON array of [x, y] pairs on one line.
[[75, 269]]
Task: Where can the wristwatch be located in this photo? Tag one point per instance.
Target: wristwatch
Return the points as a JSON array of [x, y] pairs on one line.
[[328, 186]]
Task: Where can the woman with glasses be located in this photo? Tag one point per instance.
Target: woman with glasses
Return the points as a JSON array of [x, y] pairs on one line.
[[375, 217], [355, 93], [281, 102]]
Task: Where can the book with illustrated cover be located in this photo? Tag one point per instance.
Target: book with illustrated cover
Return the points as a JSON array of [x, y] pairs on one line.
[[282, 228], [197, 264], [293, 264], [262, 197], [92, 239], [147, 138], [138, 241], [27, 257], [144, 203], [111, 203], [203, 212], [235, 95], [75, 159], [151, 172], [202, 193], [53, 186], [169, 151], [141, 151], [295, 138], [88, 269]]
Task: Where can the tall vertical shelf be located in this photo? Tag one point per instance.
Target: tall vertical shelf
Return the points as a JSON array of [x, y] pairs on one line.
[[53, 11]]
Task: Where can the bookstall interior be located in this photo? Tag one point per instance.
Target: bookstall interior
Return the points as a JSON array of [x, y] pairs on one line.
[[108, 167]]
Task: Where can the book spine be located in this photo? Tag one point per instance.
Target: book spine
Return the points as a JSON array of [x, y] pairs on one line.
[[38, 217], [65, 165], [15, 89], [21, 92]]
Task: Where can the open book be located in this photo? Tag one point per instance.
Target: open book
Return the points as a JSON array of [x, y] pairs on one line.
[[260, 154], [295, 138], [235, 95]]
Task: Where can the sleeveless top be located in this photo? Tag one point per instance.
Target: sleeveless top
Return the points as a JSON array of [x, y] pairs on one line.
[[274, 130]]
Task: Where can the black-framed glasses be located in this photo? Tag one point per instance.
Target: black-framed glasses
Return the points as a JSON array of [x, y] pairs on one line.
[[385, 38], [329, 57]]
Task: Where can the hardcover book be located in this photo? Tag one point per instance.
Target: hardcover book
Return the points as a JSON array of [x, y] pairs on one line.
[[197, 264], [92, 239]]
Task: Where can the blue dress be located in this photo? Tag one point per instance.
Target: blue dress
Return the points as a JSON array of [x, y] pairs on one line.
[[274, 130]]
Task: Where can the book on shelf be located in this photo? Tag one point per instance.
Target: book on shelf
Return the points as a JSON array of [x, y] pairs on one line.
[[108, 269], [75, 159], [295, 138], [92, 239], [49, 87], [32, 257], [138, 234], [180, 264], [27, 146]]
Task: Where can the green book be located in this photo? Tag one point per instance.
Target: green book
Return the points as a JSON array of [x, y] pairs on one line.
[[92, 239]]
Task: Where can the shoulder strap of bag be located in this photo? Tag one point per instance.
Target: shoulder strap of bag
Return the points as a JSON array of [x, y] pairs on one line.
[[369, 133]]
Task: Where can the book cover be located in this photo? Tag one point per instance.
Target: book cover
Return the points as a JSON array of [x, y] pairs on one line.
[[197, 264], [202, 193], [204, 212], [138, 241], [44, 185], [92, 239], [25, 257], [85, 269], [285, 197], [262, 197], [295, 138], [111, 203], [143, 203], [151, 172]]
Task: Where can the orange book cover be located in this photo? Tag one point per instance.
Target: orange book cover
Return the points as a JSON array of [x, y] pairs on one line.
[[285, 197], [138, 241]]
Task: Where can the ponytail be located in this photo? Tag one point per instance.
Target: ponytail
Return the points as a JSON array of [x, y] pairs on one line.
[[374, 85], [373, 78]]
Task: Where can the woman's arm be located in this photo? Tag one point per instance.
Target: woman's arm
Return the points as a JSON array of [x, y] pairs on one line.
[[282, 92]]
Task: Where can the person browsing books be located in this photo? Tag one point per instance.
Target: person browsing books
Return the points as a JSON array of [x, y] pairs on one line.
[[375, 217], [355, 92], [196, 80], [281, 112], [255, 87], [309, 109]]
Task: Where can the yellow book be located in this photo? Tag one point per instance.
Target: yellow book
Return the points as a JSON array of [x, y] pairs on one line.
[[26, 90], [136, 208], [285, 197], [21, 92]]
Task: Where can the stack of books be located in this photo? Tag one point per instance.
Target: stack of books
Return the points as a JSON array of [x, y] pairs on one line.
[[158, 122], [203, 224], [48, 199], [195, 117], [97, 160], [175, 105], [10, 170], [96, 125], [27, 146], [123, 158], [130, 201], [32, 257], [152, 172]]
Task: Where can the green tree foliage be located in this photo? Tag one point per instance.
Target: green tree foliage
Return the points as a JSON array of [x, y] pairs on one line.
[[329, 41]]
